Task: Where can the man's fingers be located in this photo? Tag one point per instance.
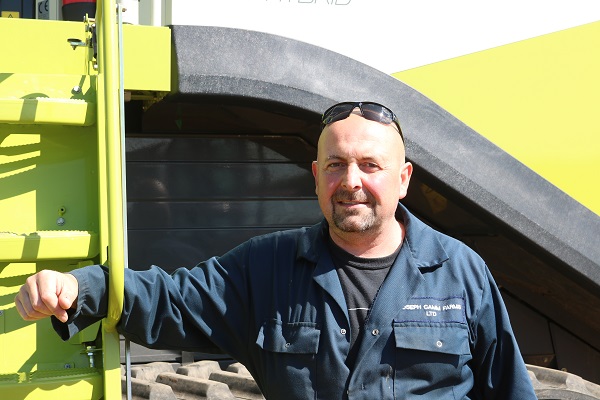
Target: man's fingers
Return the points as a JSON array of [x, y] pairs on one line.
[[25, 308], [57, 293], [27, 312], [47, 293], [67, 296]]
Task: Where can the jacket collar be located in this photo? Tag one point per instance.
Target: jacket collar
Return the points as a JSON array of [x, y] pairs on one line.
[[423, 243]]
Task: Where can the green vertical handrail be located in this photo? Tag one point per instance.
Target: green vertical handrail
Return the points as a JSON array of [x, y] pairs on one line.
[[110, 126]]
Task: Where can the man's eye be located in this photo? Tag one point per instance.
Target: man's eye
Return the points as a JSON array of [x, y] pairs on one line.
[[370, 166], [334, 166]]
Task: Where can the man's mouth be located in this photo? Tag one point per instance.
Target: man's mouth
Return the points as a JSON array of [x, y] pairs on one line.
[[352, 202]]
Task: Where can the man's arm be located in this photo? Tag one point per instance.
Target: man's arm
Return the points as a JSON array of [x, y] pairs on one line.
[[45, 294], [500, 370], [195, 310]]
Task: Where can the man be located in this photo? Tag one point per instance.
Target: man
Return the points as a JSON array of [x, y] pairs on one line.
[[368, 304]]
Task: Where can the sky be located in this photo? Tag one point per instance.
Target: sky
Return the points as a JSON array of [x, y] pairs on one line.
[[392, 35]]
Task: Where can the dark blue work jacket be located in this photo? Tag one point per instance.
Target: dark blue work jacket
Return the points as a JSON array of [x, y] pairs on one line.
[[438, 328]]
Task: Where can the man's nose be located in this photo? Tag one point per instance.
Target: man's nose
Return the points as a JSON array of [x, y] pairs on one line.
[[352, 178]]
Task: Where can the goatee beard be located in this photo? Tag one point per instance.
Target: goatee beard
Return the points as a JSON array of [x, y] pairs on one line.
[[342, 218]]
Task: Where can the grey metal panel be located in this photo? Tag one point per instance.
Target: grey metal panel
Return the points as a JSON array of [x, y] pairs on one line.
[[219, 148], [269, 212], [196, 196], [218, 180]]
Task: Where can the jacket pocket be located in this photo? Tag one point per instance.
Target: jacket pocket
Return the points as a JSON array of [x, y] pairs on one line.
[[293, 338], [442, 337], [431, 359], [289, 358]]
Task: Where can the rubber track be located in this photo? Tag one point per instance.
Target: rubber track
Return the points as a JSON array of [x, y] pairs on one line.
[[211, 380], [229, 380]]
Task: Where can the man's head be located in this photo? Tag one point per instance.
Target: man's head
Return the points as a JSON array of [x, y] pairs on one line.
[[360, 172]]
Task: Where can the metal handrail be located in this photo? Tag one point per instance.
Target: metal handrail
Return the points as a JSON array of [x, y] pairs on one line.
[[110, 125], [111, 148]]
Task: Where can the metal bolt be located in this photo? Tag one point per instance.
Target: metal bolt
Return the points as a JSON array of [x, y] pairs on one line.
[[60, 221], [90, 353], [68, 366], [76, 89]]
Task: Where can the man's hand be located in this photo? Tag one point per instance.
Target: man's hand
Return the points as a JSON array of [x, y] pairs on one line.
[[47, 293]]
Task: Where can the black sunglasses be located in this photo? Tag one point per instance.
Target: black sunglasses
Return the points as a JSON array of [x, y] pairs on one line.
[[369, 110]]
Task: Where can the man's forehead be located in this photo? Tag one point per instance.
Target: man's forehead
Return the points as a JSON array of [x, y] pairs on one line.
[[362, 156], [346, 144], [358, 134]]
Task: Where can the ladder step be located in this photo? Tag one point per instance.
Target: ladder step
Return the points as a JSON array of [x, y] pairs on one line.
[[48, 245], [44, 110], [77, 383]]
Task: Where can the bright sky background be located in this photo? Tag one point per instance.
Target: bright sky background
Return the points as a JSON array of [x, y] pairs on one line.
[[393, 35]]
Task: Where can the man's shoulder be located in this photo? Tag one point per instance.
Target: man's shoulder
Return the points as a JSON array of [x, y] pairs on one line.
[[291, 235], [431, 247], [302, 241]]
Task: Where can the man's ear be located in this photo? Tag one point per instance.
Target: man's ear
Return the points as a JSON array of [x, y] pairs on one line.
[[405, 174], [315, 170]]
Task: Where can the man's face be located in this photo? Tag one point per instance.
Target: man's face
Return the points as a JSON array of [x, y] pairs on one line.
[[360, 174]]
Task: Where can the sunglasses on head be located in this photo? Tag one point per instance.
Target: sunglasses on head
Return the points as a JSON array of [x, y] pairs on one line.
[[369, 110]]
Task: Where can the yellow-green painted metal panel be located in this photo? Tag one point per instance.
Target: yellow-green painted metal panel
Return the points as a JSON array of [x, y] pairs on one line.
[[49, 245], [537, 99], [77, 385], [48, 220], [48, 179], [43, 47], [17, 85], [47, 111], [34, 360], [61, 194], [47, 99], [147, 58]]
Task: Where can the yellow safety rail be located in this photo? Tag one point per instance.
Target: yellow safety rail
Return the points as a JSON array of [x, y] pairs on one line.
[[110, 143], [109, 128]]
